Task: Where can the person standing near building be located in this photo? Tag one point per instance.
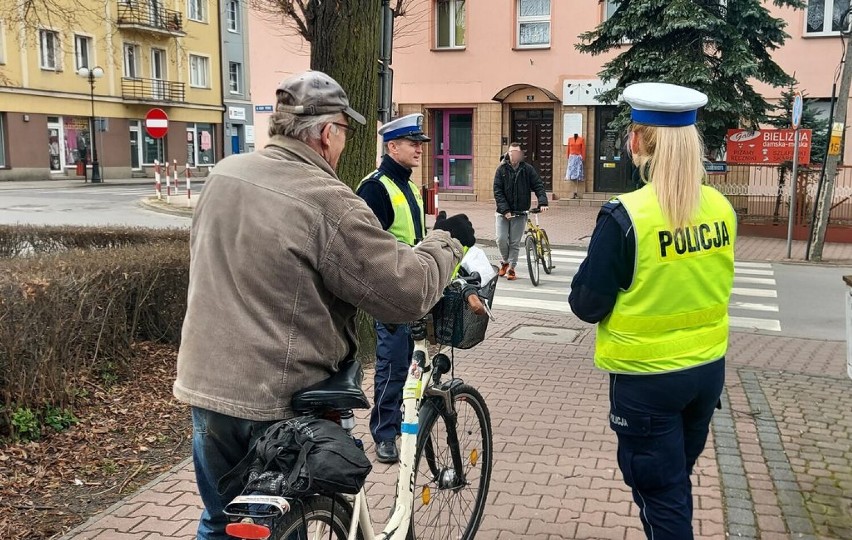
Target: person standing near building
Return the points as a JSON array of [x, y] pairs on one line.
[[514, 180], [657, 280], [397, 203], [576, 153]]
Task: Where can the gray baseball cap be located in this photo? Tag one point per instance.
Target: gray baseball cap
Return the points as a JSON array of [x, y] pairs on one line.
[[313, 93]]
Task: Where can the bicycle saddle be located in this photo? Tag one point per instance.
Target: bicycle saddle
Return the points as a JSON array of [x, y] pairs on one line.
[[341, 391]]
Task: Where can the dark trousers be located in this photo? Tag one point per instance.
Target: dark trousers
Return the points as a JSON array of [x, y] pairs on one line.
[[394, 348], [219, 442], [662, 422]]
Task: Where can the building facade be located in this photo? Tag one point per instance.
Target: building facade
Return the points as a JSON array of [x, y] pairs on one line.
[[238, 116], [488, 73], [153, 54]]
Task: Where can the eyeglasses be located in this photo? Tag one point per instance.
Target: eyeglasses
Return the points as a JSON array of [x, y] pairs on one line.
[[347, 129]]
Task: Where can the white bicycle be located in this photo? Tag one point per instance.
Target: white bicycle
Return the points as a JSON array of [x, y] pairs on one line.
[[446, 448]]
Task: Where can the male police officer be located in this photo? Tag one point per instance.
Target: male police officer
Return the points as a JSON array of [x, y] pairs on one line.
[[397, 203]]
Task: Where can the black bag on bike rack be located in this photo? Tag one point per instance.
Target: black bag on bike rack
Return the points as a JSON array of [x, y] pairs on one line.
[[302, 456]]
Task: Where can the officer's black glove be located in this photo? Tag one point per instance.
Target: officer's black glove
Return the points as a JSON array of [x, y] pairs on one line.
[[459, 227]]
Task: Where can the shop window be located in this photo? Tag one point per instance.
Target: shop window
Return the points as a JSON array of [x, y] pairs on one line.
[[533, 23], [453, 147], [826, 16], [2, 141], [200, 145], [450, 18], [153, 149]]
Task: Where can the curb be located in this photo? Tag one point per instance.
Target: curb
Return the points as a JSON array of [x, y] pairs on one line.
[[151, 203]]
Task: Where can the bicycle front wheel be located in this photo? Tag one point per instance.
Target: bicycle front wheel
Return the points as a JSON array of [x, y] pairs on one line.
[[451, 486], [532, 260], [546, 256], [315, 517]]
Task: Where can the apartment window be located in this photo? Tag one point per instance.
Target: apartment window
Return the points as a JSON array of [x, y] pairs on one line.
[[131, 61], [234, 16], [235, 77], [453, 135], [49, 48], [2, 44], [609, 9], [199, 69], [82, 52], [533, 23], [825, 16], [197, 10], [450, 23]]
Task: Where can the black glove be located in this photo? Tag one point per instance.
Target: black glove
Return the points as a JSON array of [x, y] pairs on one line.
[[459, 227]]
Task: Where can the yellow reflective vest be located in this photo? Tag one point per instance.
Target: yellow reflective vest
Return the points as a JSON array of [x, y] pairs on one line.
[[674, 315], [403, 222]]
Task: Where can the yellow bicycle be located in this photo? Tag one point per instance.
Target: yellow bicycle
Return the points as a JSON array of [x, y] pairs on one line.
[[537, 246]]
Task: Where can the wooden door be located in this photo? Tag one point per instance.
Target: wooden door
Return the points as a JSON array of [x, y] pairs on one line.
[[533, 130]]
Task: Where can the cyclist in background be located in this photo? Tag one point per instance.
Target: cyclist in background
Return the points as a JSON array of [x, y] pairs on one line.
[[282, 255], [514, 180]]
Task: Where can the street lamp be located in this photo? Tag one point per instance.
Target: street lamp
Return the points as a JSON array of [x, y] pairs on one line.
[[91, 75]]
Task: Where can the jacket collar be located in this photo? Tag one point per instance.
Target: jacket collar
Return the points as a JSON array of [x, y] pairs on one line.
[[296, 150], [394, 170]]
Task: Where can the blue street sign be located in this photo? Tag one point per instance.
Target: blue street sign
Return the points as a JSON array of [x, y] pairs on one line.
[[263, 108], [715, 167], [797, 110]]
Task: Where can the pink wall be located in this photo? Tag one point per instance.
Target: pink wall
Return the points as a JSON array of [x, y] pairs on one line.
[[276, 52]]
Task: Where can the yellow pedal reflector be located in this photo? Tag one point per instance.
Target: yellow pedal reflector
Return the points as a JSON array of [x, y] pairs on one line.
[[474, 457], [426, 495]]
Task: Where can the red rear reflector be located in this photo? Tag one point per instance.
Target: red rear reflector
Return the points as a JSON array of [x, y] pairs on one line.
[[247, 531]]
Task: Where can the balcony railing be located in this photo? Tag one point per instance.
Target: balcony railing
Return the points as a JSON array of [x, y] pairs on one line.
[[150, 15], [152, 89]]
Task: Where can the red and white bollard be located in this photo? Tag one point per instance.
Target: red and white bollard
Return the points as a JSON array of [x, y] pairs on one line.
[[175, 172], [168, 184], [157, 179], [436, 196], [188, 187]]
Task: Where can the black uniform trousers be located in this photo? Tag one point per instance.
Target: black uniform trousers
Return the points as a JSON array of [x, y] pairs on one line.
[[662, 421], [394, 348]]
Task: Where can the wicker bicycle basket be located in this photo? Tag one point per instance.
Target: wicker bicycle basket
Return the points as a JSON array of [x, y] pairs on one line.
[[455, 324]]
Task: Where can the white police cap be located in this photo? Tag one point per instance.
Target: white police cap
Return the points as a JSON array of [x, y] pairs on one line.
[[407, 127], [662, 104]]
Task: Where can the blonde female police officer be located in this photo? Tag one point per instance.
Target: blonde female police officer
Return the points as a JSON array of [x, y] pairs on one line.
[[657, 280]]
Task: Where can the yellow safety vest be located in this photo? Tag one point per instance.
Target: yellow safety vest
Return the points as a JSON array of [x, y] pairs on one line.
[[403, 222], [674, 316]]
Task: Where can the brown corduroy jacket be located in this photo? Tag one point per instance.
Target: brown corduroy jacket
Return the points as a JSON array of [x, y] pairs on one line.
[[282, 254]]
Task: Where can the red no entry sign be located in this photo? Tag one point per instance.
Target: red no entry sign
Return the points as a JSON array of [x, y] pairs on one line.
[[157, 123]]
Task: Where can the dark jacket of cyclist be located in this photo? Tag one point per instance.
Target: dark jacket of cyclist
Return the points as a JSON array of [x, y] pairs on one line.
[[397, 203], [282, 255], [658, 280]]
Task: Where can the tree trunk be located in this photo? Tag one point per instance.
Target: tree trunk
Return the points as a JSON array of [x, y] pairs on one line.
[[345, 44]]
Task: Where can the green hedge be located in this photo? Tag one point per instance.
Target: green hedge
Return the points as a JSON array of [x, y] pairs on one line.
[[73, 299]]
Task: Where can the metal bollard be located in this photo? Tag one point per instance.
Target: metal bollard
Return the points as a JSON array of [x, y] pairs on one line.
[[188, 187], [157, 180], [175, 172]]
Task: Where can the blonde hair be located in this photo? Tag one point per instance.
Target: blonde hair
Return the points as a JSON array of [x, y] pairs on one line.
[[671, 160]]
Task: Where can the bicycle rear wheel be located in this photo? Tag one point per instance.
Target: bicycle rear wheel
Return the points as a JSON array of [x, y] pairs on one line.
[[546, 256], [532, 260], [314, 517], [448, 504]]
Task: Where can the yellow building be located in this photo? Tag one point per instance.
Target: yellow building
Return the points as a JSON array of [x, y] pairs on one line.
[[151, 53]]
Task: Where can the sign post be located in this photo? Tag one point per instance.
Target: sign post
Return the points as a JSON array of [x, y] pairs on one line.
[[796, 120]]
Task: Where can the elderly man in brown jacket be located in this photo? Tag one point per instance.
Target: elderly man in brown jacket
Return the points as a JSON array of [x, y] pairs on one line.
[[282, 255]]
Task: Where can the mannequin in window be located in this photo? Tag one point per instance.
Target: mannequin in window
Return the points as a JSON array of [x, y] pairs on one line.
[[576, 152]]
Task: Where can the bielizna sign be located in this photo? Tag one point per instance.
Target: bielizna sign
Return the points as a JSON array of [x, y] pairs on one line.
[[767, 146]]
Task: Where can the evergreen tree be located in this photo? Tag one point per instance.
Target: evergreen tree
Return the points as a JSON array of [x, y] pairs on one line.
[[715, 46], [810, 120]]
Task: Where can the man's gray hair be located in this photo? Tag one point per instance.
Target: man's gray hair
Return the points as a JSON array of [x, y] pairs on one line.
[[302, 127]]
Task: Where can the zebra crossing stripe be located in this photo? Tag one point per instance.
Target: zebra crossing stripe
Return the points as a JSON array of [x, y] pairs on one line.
[[772, 325], [762, 293]]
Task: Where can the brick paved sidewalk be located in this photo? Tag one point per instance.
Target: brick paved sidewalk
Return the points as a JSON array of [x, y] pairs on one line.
[[778, 462]]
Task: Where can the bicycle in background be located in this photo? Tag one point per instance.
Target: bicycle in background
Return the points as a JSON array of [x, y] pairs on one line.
[[446, 451], [537, 246]]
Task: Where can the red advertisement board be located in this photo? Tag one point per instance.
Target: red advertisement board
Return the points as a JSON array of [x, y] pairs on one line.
[[767, 146]]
